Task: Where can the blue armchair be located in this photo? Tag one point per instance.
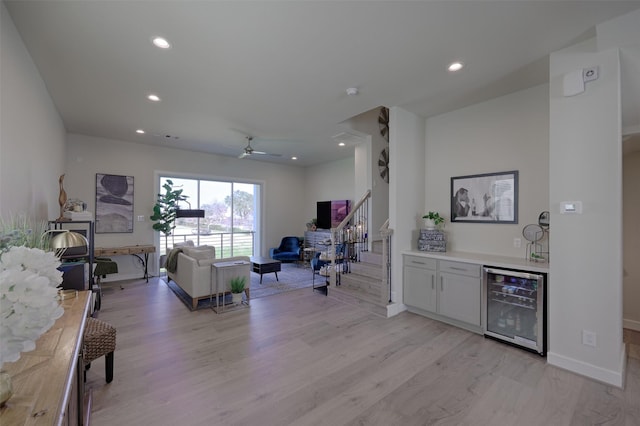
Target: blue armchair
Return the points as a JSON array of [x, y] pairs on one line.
[[289, 250]]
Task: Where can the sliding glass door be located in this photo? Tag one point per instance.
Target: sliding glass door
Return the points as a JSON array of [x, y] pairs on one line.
[[230, 222]]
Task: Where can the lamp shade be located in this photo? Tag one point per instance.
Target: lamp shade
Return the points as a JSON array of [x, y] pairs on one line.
[[189, 213], [62, 241]]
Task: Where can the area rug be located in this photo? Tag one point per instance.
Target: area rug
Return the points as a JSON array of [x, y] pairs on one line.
[[291, 277]]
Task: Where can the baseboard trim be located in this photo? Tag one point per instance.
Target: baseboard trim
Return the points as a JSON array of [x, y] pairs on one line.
[[610, 377], [394, 309], [631, 324]]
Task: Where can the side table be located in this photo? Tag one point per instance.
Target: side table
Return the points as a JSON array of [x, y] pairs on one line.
[[223, 271]]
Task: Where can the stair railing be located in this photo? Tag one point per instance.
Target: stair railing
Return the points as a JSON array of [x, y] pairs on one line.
[[385, 233], [353, 232]]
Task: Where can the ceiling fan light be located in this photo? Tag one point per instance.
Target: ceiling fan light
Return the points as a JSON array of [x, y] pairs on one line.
[[161, 42], [455, 66]]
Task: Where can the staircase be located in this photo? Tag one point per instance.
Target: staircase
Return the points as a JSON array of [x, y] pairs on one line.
[[363, 285], [365, 280]]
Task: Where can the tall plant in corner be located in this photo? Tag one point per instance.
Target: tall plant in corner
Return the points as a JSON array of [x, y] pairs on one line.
[[165, 209]]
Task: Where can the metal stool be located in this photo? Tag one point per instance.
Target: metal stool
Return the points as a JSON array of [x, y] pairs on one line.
[[99, 340]]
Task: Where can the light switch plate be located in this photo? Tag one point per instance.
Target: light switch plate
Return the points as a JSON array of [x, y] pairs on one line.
[[571, 207]]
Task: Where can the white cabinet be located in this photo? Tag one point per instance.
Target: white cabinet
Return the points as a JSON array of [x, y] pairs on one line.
[[420, 283], [445, 290], [460, 291]]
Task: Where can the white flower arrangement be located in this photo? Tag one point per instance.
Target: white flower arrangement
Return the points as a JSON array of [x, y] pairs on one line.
[[28, 298]]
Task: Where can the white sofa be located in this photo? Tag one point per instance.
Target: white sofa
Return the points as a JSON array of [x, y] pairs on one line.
[[193, 272]]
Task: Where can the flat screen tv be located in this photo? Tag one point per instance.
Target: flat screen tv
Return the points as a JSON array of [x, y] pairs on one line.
[[331, 213], [323, 214]]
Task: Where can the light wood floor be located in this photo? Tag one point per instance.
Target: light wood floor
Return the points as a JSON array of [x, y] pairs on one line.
[[301, 358]]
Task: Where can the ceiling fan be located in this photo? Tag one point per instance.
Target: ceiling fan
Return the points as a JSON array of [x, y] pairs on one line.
[[249, 151]]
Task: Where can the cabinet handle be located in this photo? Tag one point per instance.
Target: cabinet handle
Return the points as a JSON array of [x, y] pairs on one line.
[[433, 286], [441, 283], [457, 269], [418, 263]]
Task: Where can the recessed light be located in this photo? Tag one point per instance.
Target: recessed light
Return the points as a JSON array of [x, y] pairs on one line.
[[154, 98], [160, 42], [455, 66], [341, 144], [294, 158], [140, 131]]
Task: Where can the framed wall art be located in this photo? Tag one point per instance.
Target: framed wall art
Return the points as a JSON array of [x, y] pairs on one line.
[[114, 203], [485, 198]]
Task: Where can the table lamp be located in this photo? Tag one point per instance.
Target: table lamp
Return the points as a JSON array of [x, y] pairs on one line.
[[63, 240]]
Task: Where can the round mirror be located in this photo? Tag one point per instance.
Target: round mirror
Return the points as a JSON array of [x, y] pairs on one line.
[[533, 232], [543, 219]]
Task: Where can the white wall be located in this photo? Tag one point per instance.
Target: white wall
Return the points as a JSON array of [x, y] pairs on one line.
[[631, 240], [586, 267], [367, 123], [283, 196], [506, 133], [326, 182], [406, 142], [32, 135], [624, 33]]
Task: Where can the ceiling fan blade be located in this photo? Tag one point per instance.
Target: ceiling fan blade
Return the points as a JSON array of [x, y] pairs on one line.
[[248, 150]]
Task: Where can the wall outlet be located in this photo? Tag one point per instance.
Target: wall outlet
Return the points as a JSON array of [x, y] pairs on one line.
[[589, 338], [517, 242], [140, 218]]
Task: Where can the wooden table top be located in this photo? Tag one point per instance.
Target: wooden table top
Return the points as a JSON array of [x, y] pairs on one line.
[[257, 260], [119, 251], [42, 378]]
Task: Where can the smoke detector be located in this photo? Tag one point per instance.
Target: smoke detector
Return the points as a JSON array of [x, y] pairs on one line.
[[352, 91]]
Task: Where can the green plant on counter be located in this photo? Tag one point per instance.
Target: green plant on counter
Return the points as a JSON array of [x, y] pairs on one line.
[[435, 216], [237, 284]]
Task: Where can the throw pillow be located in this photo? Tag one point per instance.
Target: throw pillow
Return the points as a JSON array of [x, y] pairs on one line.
[[201, 252], [188, 243]]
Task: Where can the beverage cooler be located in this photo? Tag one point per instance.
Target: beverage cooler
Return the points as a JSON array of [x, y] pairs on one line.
[[515, 308]]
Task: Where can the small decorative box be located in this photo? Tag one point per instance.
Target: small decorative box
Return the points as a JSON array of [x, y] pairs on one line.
[[432, 240]]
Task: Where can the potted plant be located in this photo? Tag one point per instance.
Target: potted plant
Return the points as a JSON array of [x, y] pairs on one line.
[[433, 220], [165, 209], [237, 287], [313, 225]]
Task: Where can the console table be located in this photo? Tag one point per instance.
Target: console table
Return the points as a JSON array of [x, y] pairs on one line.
[[48, 382], [132, 250]]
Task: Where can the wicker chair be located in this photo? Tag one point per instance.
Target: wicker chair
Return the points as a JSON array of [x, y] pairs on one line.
[[99, 340]]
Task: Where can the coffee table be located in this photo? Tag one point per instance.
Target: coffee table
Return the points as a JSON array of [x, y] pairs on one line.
[[265, 265]]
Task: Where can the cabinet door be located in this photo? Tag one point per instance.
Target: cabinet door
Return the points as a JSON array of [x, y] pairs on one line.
[[460, 297], [420, 288]]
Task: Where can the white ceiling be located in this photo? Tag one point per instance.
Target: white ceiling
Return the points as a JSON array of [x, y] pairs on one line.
[[279, 70]]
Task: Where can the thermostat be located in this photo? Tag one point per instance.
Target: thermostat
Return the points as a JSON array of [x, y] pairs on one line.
[[571, 207]]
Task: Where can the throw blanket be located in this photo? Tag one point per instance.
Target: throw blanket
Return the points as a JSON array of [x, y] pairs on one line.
[[172, 260]]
